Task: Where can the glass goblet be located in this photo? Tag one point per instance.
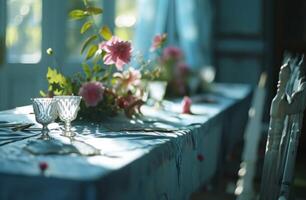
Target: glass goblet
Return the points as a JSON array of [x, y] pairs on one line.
[[45, 112], [67, 108], [157, 91]]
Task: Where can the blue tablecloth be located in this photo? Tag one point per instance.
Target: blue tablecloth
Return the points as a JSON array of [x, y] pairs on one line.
[[167, 164]]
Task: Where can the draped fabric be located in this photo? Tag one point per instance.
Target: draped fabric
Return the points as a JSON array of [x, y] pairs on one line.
[[187, 23], [152, 16]]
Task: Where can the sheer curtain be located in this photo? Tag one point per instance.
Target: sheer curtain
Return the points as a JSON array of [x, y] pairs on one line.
[[189, 25], [151, 20]]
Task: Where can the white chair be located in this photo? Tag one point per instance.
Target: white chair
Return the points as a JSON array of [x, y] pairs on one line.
[[284, 130], [252, 135]]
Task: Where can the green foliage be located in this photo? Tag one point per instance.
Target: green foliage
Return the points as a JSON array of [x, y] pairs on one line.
[[78, 14], [86, 26], [87, 71], [88, 41], [106, 33], [97, 68], [58, 83], [94, 10], [42, 93], [92, 51]]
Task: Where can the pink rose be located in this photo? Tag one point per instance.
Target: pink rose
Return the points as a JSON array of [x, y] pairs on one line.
[[92, 93], [158, 41], [186, 104], [118, 52]]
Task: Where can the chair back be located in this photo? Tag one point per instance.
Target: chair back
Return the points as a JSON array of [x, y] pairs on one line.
[[286, 116]]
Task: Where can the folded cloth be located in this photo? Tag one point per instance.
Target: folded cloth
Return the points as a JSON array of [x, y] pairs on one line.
[[8, 136]]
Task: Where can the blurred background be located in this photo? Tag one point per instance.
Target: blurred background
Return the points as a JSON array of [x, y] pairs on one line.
[[238, 39]]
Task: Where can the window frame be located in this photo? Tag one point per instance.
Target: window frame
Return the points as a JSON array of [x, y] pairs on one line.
[[13, 76]]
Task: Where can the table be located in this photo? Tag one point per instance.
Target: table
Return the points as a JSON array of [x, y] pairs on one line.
[[133, 164]]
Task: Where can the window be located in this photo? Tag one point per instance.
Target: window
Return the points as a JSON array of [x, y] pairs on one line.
[[23, 31], [125, 20], [74, 38]]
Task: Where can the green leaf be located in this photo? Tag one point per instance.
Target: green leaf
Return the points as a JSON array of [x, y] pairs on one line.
[[105, 77], [42, 93], [97, 68], [67, 90], [106, 33], [98, 57], [87, 25], [87, 42], [87, 71], [91, 52], [94, 10], [78, 14], [55, 77]]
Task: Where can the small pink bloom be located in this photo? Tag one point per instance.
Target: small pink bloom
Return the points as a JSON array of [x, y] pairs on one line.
[[92, 93], [172, 53], [186, 104], [118, 52], [133, 77], [129, 77], [182, 69], [158, 41]]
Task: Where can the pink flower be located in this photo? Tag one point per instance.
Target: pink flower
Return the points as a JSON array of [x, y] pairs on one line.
[[182, 69], [158, 41], [118, 52], [92, 93], [172, 53], [186, 104], [129, 77]]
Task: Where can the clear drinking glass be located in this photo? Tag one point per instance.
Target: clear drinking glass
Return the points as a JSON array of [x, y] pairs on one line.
[[157, 91], [67, 108], [45, 113]]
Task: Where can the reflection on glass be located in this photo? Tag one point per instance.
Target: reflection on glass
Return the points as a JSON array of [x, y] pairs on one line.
[[23, 31], [75, 39], [125, 18]]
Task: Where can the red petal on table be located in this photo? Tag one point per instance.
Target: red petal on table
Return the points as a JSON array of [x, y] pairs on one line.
[[200, 157], [43, 166]]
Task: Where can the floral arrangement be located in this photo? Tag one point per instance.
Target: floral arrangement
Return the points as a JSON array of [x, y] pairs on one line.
[[108, 83], [171, 66]]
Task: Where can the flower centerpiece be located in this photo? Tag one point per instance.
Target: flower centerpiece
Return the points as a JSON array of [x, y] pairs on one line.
[[107, 83], [171, 67]]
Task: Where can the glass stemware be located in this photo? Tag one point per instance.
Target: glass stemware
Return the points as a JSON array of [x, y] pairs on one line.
[[67, 108], [45, 112], [157, 90]]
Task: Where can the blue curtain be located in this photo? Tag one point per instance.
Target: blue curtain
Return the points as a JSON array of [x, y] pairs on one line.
[[189, 24], [152, 19]]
